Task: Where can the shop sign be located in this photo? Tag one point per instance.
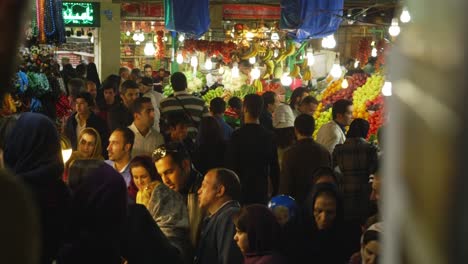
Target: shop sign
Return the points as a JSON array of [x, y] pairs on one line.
[[142, 10], [256, 12], [81, 14]]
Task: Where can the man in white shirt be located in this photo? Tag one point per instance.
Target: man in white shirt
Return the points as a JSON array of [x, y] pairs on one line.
[[119, 149], [146, 90], [146, 137], [333, 133]]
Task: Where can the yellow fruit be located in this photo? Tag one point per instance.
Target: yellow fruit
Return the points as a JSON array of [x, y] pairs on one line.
[[296, 71]]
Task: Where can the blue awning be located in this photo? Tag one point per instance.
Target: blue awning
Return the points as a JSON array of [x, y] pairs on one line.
[[189, 17]]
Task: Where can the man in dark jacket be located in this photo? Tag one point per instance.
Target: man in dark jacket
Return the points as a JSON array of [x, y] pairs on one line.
[[270, 100], [252, 154], [301, 160], [120, 115], [219, 195], [84, 117]]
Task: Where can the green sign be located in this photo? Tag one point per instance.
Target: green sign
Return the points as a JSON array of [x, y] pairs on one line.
[[81, 14]]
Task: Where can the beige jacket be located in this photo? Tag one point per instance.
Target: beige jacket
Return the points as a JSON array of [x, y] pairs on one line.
[[330, 135]]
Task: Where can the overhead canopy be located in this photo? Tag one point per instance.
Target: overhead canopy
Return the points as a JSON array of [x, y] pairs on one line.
[[189, 17], [311, 19]]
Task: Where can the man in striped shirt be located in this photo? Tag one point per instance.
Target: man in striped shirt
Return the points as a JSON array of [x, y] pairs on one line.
[[181, 101]]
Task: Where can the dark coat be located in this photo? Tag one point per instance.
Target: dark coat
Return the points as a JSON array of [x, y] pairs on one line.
[[119, 117], [268, 258], [217, 245], [298, 165], [209, 156], [93, 121], [252, 154]]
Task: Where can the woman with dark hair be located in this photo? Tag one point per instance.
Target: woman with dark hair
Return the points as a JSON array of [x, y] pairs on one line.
[[324, 241], [166, 206], [296, 98], [258, 235], [92, 74], [355, 159], [210, 149], [33, 153]]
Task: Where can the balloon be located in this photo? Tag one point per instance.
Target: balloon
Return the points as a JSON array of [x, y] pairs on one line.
[[284, 207]]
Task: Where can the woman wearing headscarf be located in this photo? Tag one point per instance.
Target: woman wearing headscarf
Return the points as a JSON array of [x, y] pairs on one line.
[[92, 74], [323, 240], [370, 246], [33, 153], [258, 235], [97, 216]]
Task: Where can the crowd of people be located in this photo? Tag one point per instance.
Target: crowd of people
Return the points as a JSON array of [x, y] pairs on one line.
[[174, 180]]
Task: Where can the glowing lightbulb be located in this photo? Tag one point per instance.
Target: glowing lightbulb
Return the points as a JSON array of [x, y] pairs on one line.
[[310, 57], [137, 43], [332, 42], [394, 29], [387, 89], [136, 37], [255, 73], [181, 38], [275, 36], [249, 35], [194, 61], [405, 15], [356, 64], [180, 58], [235, 71], [208, 64], [141, 37], [252, 60], [374, 52], [127, 33], [373, 43], [164, 38], [325, 43], [275, 53], [286, 80], [149, 49], [345, 83], [336, 71]]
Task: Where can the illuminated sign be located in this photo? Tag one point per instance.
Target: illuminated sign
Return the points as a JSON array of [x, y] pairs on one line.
[[81, 14]]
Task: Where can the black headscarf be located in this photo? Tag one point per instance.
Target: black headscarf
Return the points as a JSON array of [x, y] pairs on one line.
[[324, 246], [92, 74], [97, 218], [32, 150], [33, 153]]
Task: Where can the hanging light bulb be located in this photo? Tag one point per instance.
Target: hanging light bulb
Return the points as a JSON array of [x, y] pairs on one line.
[[405, 15], [374, 52], [372, 43], [180, 58], [92, 39], [137, 43], [350, 12], [387, 89], [136, 37], [364, 14], [310, 57], [255, 73], [275, 36], [356, 64], [336, 70], [149, 49], [252, 60], [332, 42], [194, 61], [181, 38], [127, 33], [208, 64], [345, 83], [165, 39], [235, 71], [141, 37], [325, 43], [286, 80], [249, 35], [394, 29], [275, 53]]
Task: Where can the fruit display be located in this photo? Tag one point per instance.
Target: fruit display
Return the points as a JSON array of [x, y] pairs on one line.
[[321, 119], [354, 82], [376, 117], [211, 94], [330, 90], [364, 52], [367, 92]]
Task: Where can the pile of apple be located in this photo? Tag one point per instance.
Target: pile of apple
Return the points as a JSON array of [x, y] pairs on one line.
[[323, 118], [355, 81], [376, 114], [330, 90], [367, 92]]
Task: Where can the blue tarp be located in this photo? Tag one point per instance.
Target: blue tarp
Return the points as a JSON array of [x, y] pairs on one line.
[[191, 17], [307, 19]]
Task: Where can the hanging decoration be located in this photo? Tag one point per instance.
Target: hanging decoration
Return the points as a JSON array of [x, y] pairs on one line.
[[381, 53], [210, 48], [160, 48], [47, 25], [364, 52]]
